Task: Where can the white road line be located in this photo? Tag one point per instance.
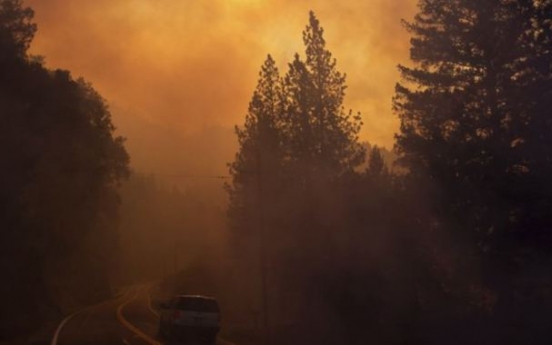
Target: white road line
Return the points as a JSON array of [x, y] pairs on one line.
[[130, 326], [149, 303], [60, 327], [64, 322]]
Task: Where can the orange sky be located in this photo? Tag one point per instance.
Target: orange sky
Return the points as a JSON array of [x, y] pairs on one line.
[[187, 65]]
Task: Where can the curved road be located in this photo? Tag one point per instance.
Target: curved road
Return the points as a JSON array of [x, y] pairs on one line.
[[128, 320]]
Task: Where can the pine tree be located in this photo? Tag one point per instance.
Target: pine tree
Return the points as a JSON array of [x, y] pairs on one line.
[[376, 163], [259, 160], [323, 137], [534, 142], [464, 111], [16, 29]]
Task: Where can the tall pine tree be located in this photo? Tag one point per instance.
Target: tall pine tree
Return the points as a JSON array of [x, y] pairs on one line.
[[323, 137], [296, 132], [259, 161], [467, 108]]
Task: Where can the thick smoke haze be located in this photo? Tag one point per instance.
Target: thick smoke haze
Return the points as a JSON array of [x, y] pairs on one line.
[[185, 67], [241, 179]]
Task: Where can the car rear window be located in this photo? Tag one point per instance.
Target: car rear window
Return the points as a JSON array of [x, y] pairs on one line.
[[197, 304]]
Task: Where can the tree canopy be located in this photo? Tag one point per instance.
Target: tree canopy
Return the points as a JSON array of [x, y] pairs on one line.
[[473, 119], [62, 165], [296, 133]]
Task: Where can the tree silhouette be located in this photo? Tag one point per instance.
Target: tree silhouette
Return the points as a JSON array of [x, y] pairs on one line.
[[58, 190], [296, 133], [323, 137], [259, 160], [296, 145], [16, 29], [376, 164], [468, 120], [475, 125]]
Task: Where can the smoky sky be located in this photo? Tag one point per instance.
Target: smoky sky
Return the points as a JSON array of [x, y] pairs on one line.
[[188, 65]]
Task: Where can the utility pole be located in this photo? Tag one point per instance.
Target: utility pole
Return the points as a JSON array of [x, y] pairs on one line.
[[262, 247]]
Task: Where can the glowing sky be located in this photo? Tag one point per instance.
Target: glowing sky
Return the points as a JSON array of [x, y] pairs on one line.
[[191, 64]]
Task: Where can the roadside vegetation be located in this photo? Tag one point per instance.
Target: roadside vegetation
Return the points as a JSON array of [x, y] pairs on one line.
[[61, 167]]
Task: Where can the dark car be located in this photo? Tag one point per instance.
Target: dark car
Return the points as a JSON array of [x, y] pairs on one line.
[[188, 317]]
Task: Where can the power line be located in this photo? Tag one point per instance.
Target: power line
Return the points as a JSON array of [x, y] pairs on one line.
[[220, 177]]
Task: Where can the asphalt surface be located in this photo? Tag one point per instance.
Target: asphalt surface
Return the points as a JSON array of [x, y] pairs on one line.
[[127, 320]]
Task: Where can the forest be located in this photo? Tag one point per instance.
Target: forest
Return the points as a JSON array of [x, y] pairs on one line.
[[322, 237]]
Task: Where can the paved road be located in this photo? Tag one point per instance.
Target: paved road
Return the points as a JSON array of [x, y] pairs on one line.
[[128, 320]]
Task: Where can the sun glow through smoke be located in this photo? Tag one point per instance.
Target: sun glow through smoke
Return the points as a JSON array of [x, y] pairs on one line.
[[190, 64]]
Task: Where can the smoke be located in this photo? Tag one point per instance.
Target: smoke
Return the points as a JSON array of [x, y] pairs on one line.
[[190, 65]]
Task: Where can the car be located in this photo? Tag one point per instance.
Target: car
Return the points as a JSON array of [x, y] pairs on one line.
[[187, 317]]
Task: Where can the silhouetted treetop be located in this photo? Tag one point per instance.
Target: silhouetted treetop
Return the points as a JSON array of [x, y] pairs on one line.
[[322, 134], [376, 164], [296, 134], [261, 134], [261, 154], [473, 115], [16, 28]]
